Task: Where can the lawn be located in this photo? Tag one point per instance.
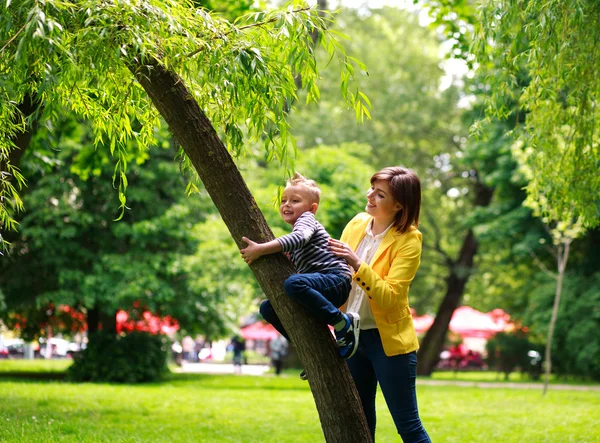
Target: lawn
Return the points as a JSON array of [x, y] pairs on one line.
[[228, 408]]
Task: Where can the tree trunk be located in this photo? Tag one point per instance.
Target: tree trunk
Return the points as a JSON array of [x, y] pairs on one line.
[[28, 108], [433, 342], [460, 271], [335, 395], [108, 322], [314, 35], [93, 319], [98, 320], [562, 258]]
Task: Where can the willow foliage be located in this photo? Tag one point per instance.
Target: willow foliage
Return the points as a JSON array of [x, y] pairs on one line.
[[554, 45], [74, 56]]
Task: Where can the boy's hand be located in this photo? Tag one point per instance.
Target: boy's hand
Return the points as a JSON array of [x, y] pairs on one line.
[[341, 249], [256, 250], [251, 252]]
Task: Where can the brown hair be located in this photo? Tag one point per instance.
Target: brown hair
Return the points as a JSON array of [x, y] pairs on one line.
[[406, 190], [310, 185]]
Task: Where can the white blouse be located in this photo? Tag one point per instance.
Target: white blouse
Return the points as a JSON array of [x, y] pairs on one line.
[[357, 302]]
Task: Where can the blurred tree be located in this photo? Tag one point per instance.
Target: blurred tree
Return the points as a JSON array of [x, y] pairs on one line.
[[557, 45], [563, 235], [554, 44], [28, 116], [413, 116], [521, 54], [576, 344], [517, 251], [459, 272], [84, 260]]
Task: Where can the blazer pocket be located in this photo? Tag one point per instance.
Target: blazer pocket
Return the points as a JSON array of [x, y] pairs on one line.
[[396, 316]]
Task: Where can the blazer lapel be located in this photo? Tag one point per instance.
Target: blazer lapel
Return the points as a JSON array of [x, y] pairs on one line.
[[387, 241], [356, 237]]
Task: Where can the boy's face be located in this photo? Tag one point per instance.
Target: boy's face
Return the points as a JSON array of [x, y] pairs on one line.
[[296, 200]]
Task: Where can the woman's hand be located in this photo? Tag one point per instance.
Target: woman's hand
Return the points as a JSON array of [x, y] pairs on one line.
[[341, 249], [251, 252]]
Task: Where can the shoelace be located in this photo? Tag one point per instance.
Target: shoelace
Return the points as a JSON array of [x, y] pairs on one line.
[[342, 341]]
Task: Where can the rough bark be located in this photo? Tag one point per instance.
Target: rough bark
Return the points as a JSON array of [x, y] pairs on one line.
[[460, 271], [109, 322], [335, 395], [93, 319], [28, 108]]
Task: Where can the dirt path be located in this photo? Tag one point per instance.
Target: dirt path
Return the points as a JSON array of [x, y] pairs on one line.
[[227, 368], [221, 368], [500, 385]]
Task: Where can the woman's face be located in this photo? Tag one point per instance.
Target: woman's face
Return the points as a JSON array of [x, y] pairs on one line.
[[380, 202]]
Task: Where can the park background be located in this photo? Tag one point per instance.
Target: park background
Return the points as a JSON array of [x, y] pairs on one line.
[[504, 143]]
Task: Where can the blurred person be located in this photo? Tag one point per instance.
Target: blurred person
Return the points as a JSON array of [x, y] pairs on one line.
[[198, 345], [177, 352], [279, 347], [238, 345], [188, 346]]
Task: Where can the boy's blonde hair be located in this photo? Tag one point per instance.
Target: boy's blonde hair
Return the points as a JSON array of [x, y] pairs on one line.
[[309, 185]]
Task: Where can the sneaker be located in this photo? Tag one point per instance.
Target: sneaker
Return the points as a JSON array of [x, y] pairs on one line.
[[347, 339], [303, 376]]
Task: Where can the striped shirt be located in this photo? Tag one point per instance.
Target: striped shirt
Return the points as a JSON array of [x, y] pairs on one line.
[[308, 247]]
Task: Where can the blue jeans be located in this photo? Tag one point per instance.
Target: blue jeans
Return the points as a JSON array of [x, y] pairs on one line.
[[396, 376], [320, 294]]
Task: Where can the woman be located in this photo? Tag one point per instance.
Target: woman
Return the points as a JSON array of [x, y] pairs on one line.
[[383, 246]]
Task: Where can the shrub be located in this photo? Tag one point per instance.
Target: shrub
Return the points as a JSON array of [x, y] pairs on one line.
[[576, 342], [508, 351], [133, 358]]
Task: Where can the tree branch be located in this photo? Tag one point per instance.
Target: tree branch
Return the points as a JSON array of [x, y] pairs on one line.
[[274, 19], [437, 236], [540, 264], [253, 25], [13, 37]]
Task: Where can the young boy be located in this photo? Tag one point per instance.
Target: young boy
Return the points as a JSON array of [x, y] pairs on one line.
[[323, 281]]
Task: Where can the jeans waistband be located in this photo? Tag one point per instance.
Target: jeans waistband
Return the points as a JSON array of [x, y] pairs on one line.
[[339, 273]]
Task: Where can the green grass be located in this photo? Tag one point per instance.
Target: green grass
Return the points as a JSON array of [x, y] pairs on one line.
[[34, 366], [227, 408]]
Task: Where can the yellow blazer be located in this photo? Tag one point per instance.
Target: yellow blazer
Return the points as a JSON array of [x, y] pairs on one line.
[[386, 282]]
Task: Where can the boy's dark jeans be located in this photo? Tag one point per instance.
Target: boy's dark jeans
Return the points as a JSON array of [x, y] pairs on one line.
[[320, 294], [396, 376]]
